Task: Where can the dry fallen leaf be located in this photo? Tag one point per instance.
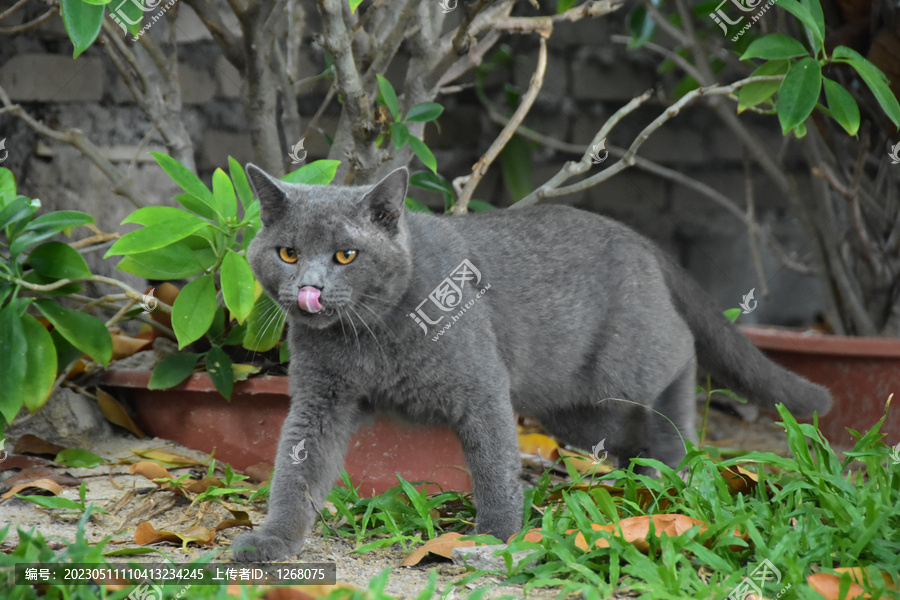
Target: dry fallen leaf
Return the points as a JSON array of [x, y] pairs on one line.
[[583, 463], [861, 576], [198, 487], [43, 484], [829, 585], [18, 461], [259, 472], [116, 414], [124, 346], [228, 523], [740, 480], [151, 470], [146, 534], [442, 546], [540, 444], [32, 444], [166, 292], [166, 458], [35, 473]]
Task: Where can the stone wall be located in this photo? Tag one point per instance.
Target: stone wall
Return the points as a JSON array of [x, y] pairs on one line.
[[588, 78]]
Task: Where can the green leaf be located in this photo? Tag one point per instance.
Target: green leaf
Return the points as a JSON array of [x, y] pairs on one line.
[[424, 112], [82, 22], [172, 370], [56, 260], [641, 27], [564, 5], [400, 134], [7, 186], [17, 210], [12, 375], [388, 97], [47, 226], [812, 22], [241, 185], [264, 326], [798, 93], [424, 153], [415, 206], [875, 79], [319, 172], [518, 171], [75, 457], [83, 331], [755, 93], [223, 195], [193, 310], [52, 502], [732, 314], [218, 365], [774, 46], [184, 178], [195, 205], [237, 285], [354, 4], [155, 215], [843, 107], [40, 363], [175, 261], [480, 205], [156, 236]]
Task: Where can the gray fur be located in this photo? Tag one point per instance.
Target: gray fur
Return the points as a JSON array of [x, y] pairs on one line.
[[572, 312]]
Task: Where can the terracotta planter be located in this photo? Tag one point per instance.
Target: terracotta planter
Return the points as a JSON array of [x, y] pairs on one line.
[[860, 372], [245, 431]]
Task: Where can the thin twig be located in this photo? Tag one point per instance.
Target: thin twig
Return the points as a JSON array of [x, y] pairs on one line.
[[470, 182], [26, 26]]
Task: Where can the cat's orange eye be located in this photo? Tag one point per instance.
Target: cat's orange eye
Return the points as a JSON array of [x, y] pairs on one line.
[[345, 257], [287, 255]]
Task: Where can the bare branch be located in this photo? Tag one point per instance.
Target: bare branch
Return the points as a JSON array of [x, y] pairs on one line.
[[229, 43], [470, 182], [30, 24]]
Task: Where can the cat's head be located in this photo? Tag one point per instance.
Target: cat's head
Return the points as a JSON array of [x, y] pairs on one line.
[[331, 254]]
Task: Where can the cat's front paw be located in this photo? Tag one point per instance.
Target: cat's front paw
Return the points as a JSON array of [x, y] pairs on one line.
[[259, 546]]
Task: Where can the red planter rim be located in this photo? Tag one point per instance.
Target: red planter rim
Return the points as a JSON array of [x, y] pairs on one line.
[[788, 340], [197, 382]]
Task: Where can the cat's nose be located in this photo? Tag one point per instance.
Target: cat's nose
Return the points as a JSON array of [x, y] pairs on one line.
[[308, 298]]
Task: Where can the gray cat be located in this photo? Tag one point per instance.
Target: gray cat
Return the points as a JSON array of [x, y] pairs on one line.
[[548, 311]]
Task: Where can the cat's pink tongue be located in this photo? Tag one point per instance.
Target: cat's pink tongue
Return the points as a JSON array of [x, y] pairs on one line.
[[309, 299]]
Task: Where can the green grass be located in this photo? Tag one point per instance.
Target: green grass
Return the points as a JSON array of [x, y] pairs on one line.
[[809, 512]]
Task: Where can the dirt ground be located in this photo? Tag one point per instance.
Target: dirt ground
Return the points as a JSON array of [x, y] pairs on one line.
[[132, 499]]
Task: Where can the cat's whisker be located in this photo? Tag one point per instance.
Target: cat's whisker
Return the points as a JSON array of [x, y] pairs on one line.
[[384, 324], [372, 333], [355, 332]]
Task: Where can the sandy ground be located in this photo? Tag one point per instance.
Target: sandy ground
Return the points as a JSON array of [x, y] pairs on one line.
[[132, 499]]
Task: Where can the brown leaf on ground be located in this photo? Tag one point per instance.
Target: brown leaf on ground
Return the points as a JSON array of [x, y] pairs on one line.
[[861, 576], [740, 480], [19, 461], [442, 546], [259, 472], [151, 470], [32, 444], [35, 473], [166, 458], [145, 534], [583, 463], [228, 523], [43, 484], [116, 414], [540, 444], [198, 487], [124, 346], [829, 586], [637, 529], [240, 515]]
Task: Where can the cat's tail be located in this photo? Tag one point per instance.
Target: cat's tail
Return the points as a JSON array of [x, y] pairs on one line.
[[731, 358]]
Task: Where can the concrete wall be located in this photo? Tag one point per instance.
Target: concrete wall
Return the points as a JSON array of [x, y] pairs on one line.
[[588, 78]]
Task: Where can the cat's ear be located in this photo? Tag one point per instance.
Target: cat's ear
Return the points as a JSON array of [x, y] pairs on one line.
[[386, 199], [272, 200]]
